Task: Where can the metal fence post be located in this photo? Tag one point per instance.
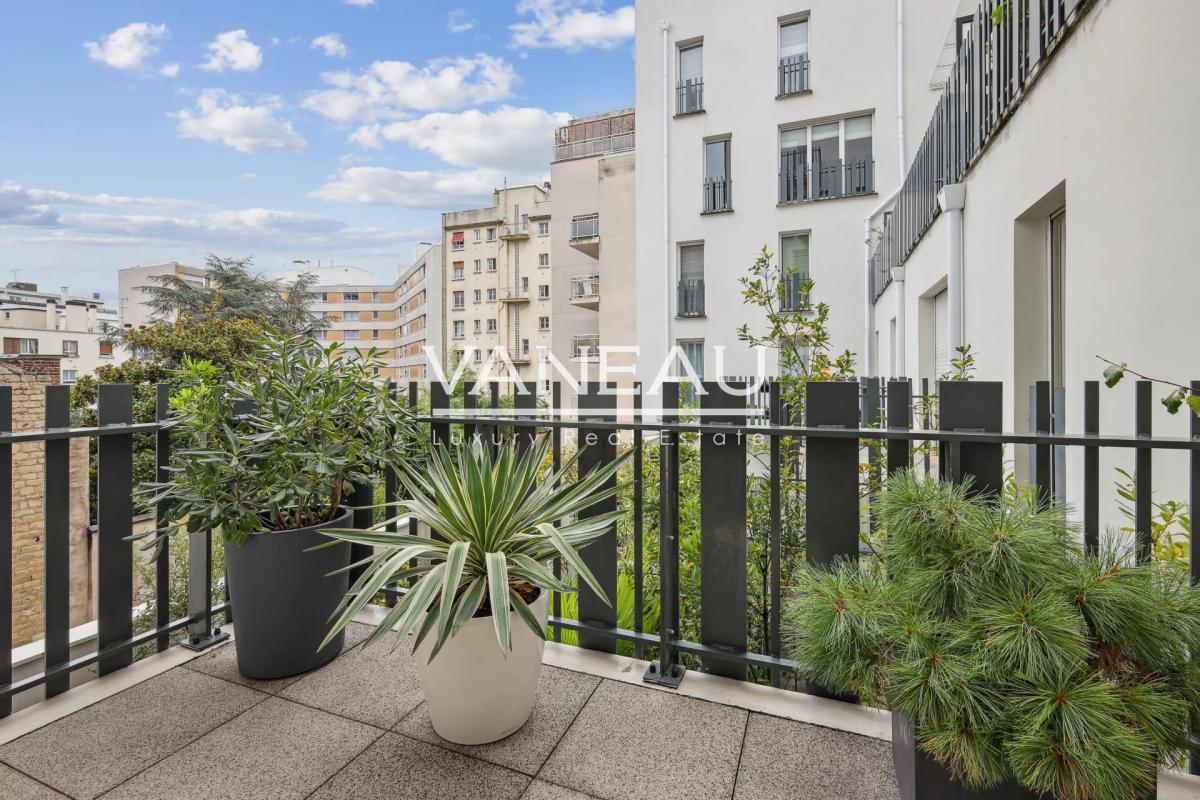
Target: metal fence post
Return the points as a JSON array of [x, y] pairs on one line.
[[723, 527], [977, 407], [1194, 503], [1042, 477], [5, 547], [665, 671], [831, 473], [57, 585], [114, 526], [598, 449], [1144, 462], [899, 417], [1091, 468], [162, 565]]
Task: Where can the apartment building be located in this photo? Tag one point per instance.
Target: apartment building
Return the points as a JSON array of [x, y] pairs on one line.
[[78, 331], [133, 308], [497, 278], [397, 319], [592, 242], [1020, 240], [779, 128]]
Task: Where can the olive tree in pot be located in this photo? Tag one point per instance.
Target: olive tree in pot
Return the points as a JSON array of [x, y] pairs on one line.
[[477, 597], [1015, 664], [267, 457]]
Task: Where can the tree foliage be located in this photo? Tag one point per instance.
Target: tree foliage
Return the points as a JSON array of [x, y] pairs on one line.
[[1012, 651]]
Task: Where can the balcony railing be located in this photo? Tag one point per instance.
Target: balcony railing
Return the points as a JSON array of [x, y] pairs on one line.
[[690, 298], [585, 227], [585, 346], [600, 145], [793, 75], [517, 228], [799, 182], [585, 287], [689, 96], [795, 292], [718, 195]]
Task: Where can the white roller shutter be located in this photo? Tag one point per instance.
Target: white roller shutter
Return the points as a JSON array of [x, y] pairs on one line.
[[941, 335]]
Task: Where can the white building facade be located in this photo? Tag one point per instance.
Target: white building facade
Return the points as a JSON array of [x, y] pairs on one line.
[[777, 128]]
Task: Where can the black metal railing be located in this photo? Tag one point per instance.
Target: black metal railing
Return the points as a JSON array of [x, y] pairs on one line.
[[793, 75], [799, 182], [795, 292], [690, 298], [793, 175], [689, 96], [1007, 46], [718, 195]]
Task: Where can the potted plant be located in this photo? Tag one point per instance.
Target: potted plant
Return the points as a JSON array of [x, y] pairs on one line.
[[478, 594], [1015, 665], [268, 457]]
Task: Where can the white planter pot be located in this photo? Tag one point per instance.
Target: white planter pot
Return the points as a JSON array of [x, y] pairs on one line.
[[474, 693]]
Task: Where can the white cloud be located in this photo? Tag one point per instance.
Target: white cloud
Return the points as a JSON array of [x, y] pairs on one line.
[[458, 21], [168, 70], [332, 44], [220, 116], [14, 195], [517, 140], [232, 50], [128, 47], [408, 188], [385, 88], [249, 176], [571, 25], [359, 3]]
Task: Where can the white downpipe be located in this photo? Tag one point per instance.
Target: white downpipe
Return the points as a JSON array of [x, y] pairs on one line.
[[870, 367], [899, 368], [900, 87], [952, 199], [666, 179]]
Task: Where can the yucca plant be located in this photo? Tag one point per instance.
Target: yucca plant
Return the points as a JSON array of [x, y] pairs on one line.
[[1013, 653], [493, 519]]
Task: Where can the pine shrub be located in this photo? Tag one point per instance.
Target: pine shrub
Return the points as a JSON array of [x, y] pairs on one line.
[[1012, 651]]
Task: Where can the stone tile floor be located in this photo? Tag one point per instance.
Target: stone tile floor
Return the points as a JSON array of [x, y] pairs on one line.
[[357, 728]]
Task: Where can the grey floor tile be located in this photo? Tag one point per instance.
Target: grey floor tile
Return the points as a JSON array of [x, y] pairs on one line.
[[561, 694], [540, 790], [221, 662], [783, 759], [275, 751], [635, 742], [371, 685], [399, 768], [96, 748], [15, 786]]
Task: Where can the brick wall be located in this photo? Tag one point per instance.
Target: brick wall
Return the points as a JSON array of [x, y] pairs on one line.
[[28, 376]]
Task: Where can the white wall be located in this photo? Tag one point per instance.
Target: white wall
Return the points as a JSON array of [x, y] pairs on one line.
[[852, 47]]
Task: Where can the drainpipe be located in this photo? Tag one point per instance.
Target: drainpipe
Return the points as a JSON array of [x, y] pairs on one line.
[[952, 198], [900, 86], [666, 180], [901, 338], [870, 366]]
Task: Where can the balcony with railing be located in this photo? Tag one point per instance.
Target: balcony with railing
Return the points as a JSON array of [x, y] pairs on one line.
[[515, 229], [795, 293], [689, 96], [800, 182], [689, 298], [585, 234], [515, 295], [793, 75], [585, 346], [717, 196], [585, 291]]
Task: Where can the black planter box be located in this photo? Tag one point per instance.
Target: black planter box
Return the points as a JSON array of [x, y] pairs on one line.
[[921, 778]]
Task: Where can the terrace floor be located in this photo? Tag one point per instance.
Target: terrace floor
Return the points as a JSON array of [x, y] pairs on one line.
[[357, 728]]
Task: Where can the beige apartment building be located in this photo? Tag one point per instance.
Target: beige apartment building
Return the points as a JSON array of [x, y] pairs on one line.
[[497, 271], [593, 243], [76, 331]]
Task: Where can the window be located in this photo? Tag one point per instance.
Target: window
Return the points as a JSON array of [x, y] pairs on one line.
[[693, 351], [460, 328], [793, 57], [717, 196], [691, 281], [15, 346], [478, 326], [350, 316], [477, 267], [478, 233], [349, 335], [70, 375], [324, 297], [374, 315], [457, 240], [478, 295], [793, 165], [457, 270], [859, 177], [70, 348], [106, 349], [543, 291], [941, 334], [478, 356], [350, 297], [543, 228], [491, 234], [491, 295], [689, 92], [459, 299], [543, 259], [491, 265], [543, 323], [374, 297], [491, 325], [793, 258], [832, 159]]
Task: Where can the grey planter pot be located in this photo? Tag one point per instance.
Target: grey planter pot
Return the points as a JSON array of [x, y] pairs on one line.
[[282, 597], [921, 778]]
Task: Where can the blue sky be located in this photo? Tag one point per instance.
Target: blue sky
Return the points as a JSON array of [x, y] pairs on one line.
[[135, 132]]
